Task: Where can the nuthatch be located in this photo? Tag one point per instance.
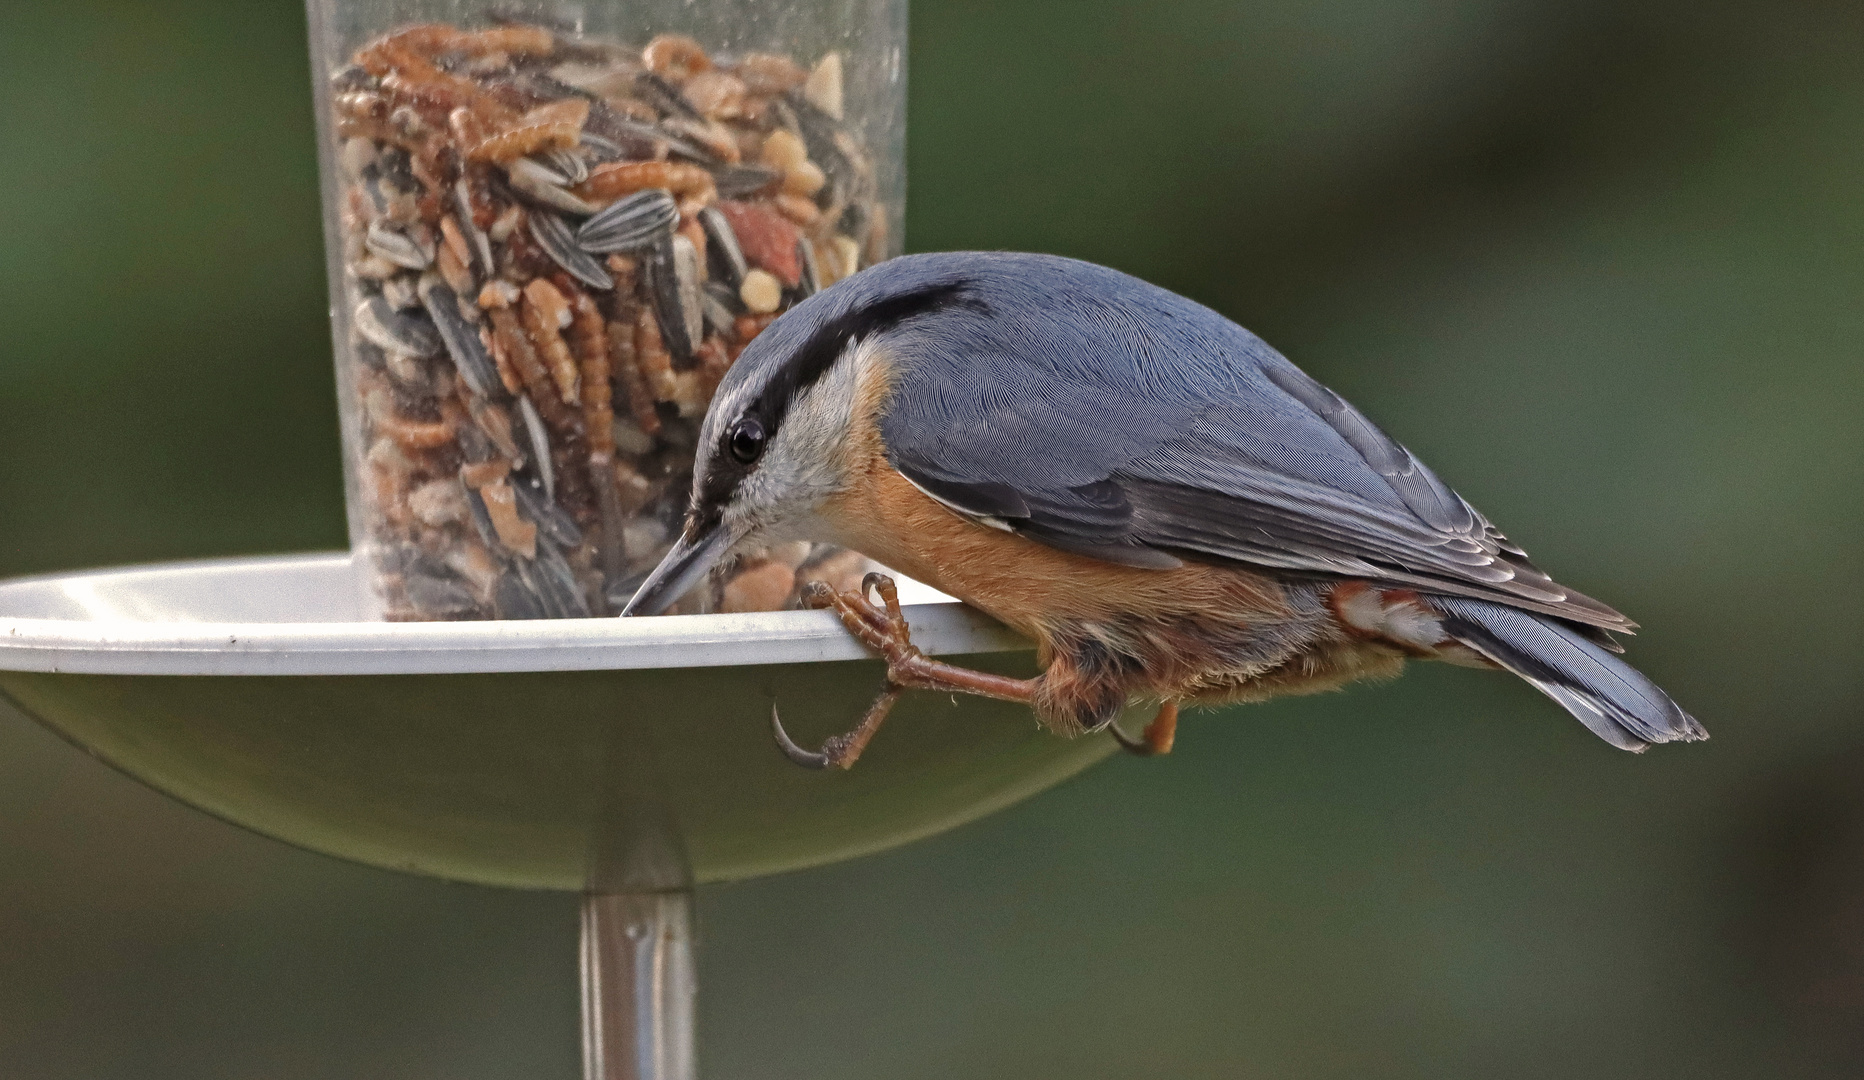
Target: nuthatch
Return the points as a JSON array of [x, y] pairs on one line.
[[1167, 506]]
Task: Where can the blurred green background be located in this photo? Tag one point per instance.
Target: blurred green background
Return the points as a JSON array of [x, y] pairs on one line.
[[1600, 263]]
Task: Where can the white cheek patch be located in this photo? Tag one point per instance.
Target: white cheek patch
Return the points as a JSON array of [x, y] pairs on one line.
[[805, 461]]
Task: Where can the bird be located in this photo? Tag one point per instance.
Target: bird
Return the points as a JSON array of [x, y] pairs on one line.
[[1170, 509]]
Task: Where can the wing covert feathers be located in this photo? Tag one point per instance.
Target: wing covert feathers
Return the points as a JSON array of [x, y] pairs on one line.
[[1099, 414]]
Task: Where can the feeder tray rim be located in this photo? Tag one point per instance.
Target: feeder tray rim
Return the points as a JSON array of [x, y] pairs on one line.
[[298, 615]]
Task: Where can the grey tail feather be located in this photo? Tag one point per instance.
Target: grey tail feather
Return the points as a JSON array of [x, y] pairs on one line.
[[1604, 693]]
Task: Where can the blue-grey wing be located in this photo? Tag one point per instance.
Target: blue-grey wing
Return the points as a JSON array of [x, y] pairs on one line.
[[1100, 415]]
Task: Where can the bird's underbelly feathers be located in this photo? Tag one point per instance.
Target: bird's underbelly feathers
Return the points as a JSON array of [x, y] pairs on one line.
[[1197, 632], [1026, 584]]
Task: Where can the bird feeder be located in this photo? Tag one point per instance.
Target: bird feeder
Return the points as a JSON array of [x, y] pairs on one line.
[[550, 228]]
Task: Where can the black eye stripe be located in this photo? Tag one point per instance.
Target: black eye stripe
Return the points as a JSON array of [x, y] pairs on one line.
[[817, 355], [805, 367]]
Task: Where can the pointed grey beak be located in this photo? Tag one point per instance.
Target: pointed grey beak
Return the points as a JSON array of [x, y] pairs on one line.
[[679, 571]]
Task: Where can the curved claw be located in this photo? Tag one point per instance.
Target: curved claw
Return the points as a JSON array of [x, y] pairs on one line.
[[806, 758], [882, 627], [1136, 747], [875, 582], [1159, 734], [840, 751]]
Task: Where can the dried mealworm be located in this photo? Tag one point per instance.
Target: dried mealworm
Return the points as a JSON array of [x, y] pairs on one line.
[[543, 391], [545, 309]]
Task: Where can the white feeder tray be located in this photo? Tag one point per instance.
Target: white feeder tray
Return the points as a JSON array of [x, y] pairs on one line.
[[602, 755]]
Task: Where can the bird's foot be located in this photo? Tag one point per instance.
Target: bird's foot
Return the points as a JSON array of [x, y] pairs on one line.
[[838, 751], [1159, 735], [882, 628]]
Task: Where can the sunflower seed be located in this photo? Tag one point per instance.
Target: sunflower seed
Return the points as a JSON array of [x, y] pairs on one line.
[[546, 169], [461, 337], [718, 316], [370, 355], [821, 134], [481, 518], [688, 274], [740, 181], [621, 138], [397, 170], [603, 150], [725, 295], [673, 281], [516, 599], [555, 238], [372, 187], [536, 589], [552, 523], [664, 96], [630, 224], [856, 218], [722, 248], [481, 244], [570, 163], [634, 140], [557, 584], [539, 184], [539, 442], [393, 331], [439, 598], [399, 292], [810, 281], [396, 246], [709, 135]]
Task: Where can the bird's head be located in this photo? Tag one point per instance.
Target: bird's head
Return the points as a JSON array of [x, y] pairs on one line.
[[774, 444]]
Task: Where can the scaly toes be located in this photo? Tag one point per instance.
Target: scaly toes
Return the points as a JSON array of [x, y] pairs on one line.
[[901, 653], [880, 626], [861, 618]]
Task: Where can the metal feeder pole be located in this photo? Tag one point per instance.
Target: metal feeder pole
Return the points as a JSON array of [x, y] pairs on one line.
[[638, 985]]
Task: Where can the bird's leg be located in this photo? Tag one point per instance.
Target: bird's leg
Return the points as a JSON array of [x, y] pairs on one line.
[[882, 627], [1158, 737], [884, 630]]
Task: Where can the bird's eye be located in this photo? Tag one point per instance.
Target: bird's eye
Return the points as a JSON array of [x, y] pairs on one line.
[[746, 440]]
